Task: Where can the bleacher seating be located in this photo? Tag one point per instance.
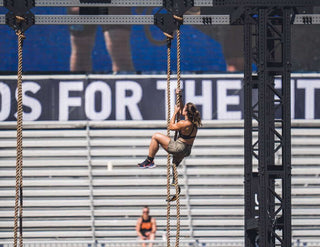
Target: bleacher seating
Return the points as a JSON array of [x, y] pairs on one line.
[[81, 182]]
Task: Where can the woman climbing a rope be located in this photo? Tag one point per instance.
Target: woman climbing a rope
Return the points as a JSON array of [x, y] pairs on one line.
[[187, 130]]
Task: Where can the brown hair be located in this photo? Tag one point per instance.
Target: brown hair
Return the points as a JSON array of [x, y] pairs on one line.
[[193, 114]]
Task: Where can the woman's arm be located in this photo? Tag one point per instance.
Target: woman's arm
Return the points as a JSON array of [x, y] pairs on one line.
[[177, 125], [173, 125], [154, 225], [138, 228]]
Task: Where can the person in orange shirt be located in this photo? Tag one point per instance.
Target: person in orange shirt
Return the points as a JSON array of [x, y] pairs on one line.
[[146, 227]]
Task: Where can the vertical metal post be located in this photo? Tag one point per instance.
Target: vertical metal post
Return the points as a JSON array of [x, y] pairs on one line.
[[272, 227], [263, 128], [250, 228], [286, 128], [90, 177]]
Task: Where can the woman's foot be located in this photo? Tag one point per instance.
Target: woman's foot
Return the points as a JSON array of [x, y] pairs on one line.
[[147, 164]]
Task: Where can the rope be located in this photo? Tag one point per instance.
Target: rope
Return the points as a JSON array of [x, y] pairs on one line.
[[18, 212], [174, 166], [168, 134], [168, 35], [178, 100], [178, 65], [175, 172]]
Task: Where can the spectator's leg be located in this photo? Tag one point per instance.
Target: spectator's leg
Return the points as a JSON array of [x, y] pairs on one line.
[[152, 236], [119, 49], [82, 39], [143, 244], [117, 39], [81, 49]]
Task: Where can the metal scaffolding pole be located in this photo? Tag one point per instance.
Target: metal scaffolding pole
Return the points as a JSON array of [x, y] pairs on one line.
[[268, 220]]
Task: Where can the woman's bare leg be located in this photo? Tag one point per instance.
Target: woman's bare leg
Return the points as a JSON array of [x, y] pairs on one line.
[[143, 238], [151, 237], [157, 139]]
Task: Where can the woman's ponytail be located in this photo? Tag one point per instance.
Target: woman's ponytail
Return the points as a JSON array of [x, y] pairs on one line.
[[193, 114]]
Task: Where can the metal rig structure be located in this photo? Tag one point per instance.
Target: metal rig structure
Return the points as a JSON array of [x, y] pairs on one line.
[[267, 122]]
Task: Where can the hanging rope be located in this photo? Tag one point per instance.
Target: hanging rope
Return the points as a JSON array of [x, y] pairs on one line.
[[18, 212], [176, 197], [177, 187], [175, 171], [168, 134]]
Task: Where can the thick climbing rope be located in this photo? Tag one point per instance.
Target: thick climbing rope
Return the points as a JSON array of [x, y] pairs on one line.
[[19, 186], [175, 171], [174, 166], [168, 134]]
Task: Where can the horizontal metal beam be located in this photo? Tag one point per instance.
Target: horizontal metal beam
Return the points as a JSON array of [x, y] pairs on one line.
[[144, 19], [122, 19], [94, 19], [264, 3], [307, 19], [197, 3], [114, 3], [158, 3]]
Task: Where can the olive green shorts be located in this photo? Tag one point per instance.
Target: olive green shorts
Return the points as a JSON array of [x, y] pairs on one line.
[[179, 150]]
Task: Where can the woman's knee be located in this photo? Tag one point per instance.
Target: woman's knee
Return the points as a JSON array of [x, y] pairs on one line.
[[156, 136], [151, 236]]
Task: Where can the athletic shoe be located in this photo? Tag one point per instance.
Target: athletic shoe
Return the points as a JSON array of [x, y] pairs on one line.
[[147, 164]]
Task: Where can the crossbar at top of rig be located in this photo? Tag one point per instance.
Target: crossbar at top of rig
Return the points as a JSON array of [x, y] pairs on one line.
[[159, 3], [145, 19], [112, 3]]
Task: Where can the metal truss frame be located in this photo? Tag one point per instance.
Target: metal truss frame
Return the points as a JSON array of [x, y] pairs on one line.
[[122, 19], [238, 6], [267, 121], [267, 127], [265, 3], [110, 3], [146, 19], [159, 3]]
